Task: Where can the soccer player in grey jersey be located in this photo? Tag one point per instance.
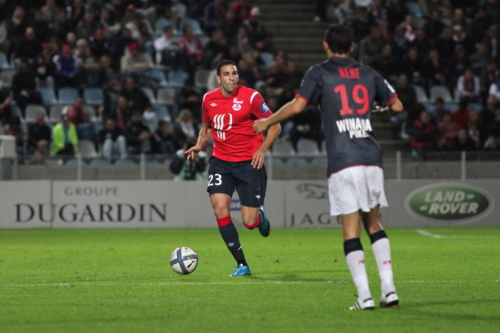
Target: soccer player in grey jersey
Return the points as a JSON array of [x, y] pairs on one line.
[[346, 91]]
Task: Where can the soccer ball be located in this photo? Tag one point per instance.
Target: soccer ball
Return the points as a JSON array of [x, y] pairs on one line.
[[184, 260]]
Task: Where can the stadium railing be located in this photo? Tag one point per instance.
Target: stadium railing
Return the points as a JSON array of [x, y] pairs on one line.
[[399, 166]]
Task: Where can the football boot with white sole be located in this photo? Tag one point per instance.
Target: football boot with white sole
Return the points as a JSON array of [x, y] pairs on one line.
[[367, 304], [389, 301]]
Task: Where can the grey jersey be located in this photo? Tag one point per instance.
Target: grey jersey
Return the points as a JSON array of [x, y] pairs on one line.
[[346, 91]]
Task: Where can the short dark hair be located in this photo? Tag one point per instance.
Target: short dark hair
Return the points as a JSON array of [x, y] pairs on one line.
[[223, 63], [339, 38]]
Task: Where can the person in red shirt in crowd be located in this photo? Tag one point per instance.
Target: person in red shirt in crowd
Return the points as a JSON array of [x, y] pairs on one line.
[[238, 158], [448, 128], [80, 119], [461, 115], [76, 114], [242, 9], [423, 133], [193, 49]]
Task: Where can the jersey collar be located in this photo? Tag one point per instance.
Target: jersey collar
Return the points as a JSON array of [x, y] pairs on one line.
[[340, 60]]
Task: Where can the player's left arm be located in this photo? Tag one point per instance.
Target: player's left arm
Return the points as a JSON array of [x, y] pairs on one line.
[[386, 97], [260, 154]]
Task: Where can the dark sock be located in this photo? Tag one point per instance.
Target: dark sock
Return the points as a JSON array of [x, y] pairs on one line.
[[230, 236]]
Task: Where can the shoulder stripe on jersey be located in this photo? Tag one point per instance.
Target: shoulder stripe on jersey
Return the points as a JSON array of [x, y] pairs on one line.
[[204, 97], [389, 86], [253, 95]]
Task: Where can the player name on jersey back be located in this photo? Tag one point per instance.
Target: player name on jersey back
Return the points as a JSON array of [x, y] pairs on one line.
[[357, 127]]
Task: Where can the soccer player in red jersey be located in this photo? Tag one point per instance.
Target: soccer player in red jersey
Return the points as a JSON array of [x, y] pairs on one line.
[[238, 158], [346, 91]]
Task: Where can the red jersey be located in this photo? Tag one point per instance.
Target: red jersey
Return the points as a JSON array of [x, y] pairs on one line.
[[231, 119]]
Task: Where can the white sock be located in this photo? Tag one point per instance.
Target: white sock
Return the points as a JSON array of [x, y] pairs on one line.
[[382, 251], [356, 263]]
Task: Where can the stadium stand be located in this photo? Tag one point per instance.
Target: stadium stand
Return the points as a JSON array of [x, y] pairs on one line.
[[286, 32]]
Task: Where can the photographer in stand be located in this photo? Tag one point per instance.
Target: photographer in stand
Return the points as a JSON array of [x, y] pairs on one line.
[[188, 170]]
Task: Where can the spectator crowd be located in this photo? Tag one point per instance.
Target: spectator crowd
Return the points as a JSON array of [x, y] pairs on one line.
[[129, 52], [447, 50]]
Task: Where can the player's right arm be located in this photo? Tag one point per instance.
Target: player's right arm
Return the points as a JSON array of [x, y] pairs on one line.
[[309, 91], [288, 110], [203, 138]]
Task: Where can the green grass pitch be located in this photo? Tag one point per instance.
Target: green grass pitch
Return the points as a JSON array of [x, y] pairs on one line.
[[121, 281]]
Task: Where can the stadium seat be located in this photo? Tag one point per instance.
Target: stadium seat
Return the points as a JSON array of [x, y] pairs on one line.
[[212, 81], [414, 8], [32, 110], [48, 96], [73, 162], [276, 160], [55, 113], [4, 63], [476, 107], [319, 160], [87, 149], [47, 83], [296, 160], [6, 77], [16, 111], [97, 126], [323, 147], [162, 113], [150, 93], [440, 91], [307, 147], [201, 78], [100, 161], [283, 148], [158, 76], [194, 24], [90, 112], [93, 96], [67, 95], [204, 40], [267, 58], [421, 94], [125, 162], [176, 79], [161, 24], [166, 96]]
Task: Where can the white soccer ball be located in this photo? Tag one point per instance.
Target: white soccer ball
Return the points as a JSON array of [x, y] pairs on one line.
[[184, 260]]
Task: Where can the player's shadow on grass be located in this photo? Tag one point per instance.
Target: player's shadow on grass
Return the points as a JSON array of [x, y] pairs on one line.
[[414, 308], [293, 277]]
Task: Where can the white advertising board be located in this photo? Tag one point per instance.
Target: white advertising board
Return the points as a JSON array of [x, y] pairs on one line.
[[291, 204], [25, 204], [119, 204], [307, 205]]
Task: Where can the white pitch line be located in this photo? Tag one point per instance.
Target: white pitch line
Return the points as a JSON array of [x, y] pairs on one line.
[[428, 234], [231, 283]]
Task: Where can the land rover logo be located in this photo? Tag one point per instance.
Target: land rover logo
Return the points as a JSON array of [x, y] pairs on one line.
[[449, 203]]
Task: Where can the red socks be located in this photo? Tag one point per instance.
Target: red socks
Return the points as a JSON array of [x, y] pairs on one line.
[[255, 225]]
